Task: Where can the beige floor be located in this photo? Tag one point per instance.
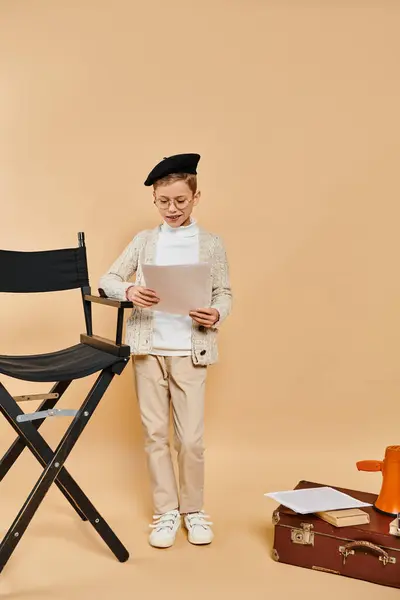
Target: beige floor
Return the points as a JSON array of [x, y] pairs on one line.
[[61, 558]]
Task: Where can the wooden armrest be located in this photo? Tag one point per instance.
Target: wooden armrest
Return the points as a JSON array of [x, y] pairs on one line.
[[106, 345], [107, 301]]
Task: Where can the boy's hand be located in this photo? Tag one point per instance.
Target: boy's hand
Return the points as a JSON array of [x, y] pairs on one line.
[[142, 297], [205, 316]]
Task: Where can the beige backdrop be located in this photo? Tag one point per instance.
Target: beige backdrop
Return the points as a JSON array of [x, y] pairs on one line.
[[294, 106]]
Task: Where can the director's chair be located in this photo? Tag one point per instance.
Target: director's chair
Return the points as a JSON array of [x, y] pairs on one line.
[[51, 271]]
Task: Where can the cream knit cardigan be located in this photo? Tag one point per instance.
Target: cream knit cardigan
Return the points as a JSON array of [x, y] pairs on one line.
[[139, 328]]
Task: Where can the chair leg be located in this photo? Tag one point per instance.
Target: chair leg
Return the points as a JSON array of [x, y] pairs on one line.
[[19, 444], [54, 470]]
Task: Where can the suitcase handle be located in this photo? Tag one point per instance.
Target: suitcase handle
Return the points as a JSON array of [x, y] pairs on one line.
[[350, 548]]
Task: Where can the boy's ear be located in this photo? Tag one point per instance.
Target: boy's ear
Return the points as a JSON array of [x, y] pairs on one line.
[[197, 197]]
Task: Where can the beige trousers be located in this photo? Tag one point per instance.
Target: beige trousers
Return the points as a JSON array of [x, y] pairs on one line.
[[163, 383]]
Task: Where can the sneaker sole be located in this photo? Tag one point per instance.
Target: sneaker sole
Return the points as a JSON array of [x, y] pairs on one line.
[[198, 542], [162, 546]]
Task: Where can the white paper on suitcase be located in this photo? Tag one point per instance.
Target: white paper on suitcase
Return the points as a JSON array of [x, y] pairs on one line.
[[314, 500], [181, 288]]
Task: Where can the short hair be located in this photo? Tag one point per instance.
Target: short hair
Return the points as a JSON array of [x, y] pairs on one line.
[[188, 178]]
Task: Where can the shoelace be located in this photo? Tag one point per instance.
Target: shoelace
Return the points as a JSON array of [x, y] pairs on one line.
[[166, 520], [199, 519]]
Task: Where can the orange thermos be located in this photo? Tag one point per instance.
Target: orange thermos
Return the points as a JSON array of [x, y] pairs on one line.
[[388, 501]]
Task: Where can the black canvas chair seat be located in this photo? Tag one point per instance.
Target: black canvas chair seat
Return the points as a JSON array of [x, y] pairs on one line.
[[75, 362], [52, 271]]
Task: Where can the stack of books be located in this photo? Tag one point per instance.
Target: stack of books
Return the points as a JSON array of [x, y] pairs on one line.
[[345, 518]]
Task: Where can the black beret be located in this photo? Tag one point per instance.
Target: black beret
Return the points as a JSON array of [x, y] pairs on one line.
[[179, 163]]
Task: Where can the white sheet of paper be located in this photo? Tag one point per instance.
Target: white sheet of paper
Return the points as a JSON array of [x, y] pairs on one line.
[[181, 288], [313, 500]]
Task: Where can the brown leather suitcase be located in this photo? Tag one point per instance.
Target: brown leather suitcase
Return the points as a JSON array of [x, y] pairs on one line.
[[368, 552]]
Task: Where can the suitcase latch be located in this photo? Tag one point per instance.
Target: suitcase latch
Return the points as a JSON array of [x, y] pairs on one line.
[[303, 536]]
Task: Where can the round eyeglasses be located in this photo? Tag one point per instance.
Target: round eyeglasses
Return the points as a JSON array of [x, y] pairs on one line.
[[165, 203]]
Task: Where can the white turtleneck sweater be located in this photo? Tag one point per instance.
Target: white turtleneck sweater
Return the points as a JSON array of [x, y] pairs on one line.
[[172, 334]]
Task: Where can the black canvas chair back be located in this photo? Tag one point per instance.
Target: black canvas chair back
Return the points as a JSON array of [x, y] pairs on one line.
[[44, 271], [54, 271]]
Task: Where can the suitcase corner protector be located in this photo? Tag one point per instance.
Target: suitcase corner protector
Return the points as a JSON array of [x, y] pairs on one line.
[[275, 517], [275, 555]]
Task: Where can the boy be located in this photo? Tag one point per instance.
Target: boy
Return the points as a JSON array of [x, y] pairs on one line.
[[171, 353]]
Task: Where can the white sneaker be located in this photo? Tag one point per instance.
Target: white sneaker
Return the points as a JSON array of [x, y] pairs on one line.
[[165, 529], [199, 530]]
